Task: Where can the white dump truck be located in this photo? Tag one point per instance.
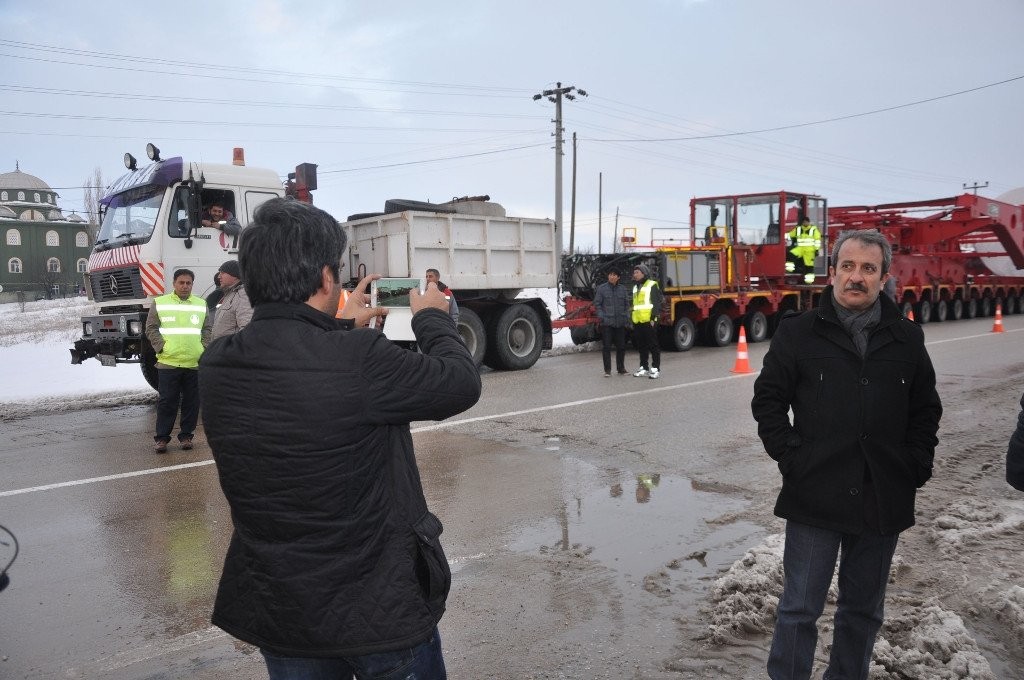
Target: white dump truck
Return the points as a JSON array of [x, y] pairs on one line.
[[486, 258]]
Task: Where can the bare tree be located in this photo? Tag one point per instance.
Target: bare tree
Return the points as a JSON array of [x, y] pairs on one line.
[[93, 187]]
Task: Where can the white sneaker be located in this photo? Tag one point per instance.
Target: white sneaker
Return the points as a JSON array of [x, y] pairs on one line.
[[640, 372], [654, 374]]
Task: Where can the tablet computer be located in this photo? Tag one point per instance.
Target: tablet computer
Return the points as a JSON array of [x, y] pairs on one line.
[[393, 293]]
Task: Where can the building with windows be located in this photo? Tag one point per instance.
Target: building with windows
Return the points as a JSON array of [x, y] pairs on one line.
[[43, 253]]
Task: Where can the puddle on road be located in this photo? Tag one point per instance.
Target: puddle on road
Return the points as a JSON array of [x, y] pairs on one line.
[[642, 522]]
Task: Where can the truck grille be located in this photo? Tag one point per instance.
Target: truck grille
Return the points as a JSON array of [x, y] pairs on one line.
[[116, 284]]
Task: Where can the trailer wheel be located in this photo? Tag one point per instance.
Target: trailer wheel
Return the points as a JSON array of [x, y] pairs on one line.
[[719, 330], [923, 311], [1012, 305], [957, 311], [471, 330], [757, 327], [684, 334], [515, 338], [907, 307], [941, 310], [985, 307], [147, 362], [971, 308]]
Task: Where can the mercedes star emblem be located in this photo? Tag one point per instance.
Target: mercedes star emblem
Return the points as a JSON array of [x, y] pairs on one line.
[[113, 285]]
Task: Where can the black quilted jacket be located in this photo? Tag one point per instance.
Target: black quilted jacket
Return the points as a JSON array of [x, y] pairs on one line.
[[333, 552]]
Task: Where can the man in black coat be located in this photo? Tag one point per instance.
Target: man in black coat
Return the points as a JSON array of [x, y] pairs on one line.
[[335, 564], [1015, 453], [865, 416], [613, 303]]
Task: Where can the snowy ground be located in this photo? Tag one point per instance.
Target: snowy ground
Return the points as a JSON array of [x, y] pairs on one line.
[[37, 370]]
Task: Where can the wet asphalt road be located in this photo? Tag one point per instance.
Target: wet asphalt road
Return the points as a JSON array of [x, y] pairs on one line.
[[563, 493]]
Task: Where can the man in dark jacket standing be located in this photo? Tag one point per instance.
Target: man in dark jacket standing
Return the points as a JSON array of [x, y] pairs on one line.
[[1015, 453], [865, 416], [335, 564], [612, 303]]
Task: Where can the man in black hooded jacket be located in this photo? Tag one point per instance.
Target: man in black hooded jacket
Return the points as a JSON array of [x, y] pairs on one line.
[[335, 564]]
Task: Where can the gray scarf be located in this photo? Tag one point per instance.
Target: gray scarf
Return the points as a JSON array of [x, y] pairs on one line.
[[859, 324]]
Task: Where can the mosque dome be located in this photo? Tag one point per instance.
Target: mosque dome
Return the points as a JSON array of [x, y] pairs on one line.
[[22, 180]]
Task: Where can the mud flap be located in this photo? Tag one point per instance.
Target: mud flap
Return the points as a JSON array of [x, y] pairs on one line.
[[432, 570]]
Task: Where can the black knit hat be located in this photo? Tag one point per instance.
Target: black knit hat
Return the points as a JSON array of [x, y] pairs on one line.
[[231, 267]]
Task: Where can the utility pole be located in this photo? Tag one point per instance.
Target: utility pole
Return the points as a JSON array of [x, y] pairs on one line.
[[555, 96], [600, 200], [615, 234], [572, 217], [975, 186]]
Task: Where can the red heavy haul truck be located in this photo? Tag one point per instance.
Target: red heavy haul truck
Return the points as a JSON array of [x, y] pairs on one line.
[[729, 266]]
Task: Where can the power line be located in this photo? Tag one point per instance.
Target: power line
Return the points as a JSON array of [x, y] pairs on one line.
[[818, 122], [435, 160]]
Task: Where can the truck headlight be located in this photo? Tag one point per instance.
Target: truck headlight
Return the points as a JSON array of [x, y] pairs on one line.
[[134, 328], [87, 328]]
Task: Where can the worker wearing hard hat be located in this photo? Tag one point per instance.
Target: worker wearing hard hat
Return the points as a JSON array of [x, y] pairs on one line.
[[805, 242]]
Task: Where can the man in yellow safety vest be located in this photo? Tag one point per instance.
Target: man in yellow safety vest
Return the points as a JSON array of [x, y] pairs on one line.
[[646, 306], [805, 242], [178, 328]]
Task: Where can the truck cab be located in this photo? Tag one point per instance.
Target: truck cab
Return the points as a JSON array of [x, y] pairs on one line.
[[151, 225]]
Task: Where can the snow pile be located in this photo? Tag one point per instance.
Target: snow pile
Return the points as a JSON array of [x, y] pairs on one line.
[[972, 522], [1011, 614], [38, 374], [744, 600], [927, 643]]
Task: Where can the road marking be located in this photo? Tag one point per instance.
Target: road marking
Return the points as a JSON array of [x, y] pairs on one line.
[[454, 423]]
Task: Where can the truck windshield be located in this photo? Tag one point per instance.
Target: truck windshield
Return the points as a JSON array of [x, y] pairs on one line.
[[131, 215]]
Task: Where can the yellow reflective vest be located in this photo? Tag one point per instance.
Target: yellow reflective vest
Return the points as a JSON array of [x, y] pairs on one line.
[[642, 306], [181, 326], [808, 242]]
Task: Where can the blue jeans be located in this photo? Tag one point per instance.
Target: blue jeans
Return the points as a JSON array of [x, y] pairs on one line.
[[177, 385], [422, 662], [809, 561]]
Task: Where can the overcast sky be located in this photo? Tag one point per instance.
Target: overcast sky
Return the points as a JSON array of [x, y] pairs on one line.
[[428, 101]]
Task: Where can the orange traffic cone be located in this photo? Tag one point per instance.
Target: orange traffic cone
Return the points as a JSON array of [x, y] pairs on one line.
[[742, 358], [910, 315], [997, 325]]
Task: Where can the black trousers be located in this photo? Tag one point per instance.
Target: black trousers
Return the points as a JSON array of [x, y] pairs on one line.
[[616, 336], [177, 386], [646, 337]]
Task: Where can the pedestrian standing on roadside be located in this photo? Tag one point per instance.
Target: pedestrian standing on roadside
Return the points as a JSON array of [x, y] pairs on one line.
[[861, 387], [1015, 453], [646, 307], [178, 328], [612, 303], [213, 299], [335, 566], [234, 310]]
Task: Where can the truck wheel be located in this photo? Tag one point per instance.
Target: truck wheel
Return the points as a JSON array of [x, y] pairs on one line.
[[515, 342], [907, 307], [684, 334], [757, 327], [923, 311], [719, 330], [971, 308], [147, 362], [957, 310], [941, 310], [1012, 305], [471, 330]]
